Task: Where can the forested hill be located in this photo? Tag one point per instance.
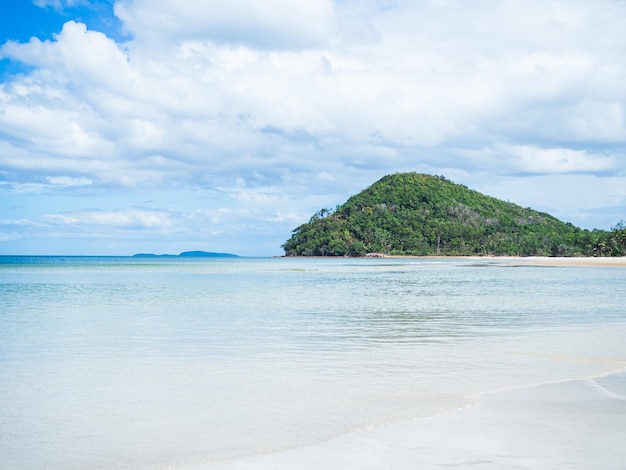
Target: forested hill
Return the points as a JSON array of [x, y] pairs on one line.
[[417, 214]]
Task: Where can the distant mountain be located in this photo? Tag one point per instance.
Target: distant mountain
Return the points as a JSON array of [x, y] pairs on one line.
[[206, 254], [152, 255], [188, 254], [418, 214]]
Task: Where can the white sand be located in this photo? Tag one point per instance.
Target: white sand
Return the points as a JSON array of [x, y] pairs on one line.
[[614, 262], [602, 262], [578, 424]]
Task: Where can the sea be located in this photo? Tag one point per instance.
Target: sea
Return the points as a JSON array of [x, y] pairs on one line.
[[172, 363]]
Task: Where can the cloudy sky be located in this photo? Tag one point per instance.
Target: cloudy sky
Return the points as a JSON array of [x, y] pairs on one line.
[[221, 125]]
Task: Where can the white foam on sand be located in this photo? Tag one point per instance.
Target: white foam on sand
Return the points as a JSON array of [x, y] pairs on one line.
[[575, 424]]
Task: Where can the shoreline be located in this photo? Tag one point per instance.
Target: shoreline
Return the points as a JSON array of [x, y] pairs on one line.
[[573, 423], [613, 262], [604, 262], [547, 261]]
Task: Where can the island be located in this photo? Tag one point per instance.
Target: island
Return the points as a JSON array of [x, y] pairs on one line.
[[187, 254], [424, 215]]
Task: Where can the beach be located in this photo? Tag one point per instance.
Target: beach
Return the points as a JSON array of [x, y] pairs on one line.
[[574, 424]]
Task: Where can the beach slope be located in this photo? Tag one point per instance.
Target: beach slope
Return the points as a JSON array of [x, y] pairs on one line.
[[576, 424]]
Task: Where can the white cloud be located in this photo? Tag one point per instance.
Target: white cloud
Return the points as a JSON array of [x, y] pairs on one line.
[[16, 222], [597, 120], [128, 219], [68, 181], [290, 217], [258, 195], [76, 55], [211, 104], [532, 159], [283, 24]]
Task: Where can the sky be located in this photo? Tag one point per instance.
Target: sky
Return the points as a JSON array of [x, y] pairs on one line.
[[165, 126]]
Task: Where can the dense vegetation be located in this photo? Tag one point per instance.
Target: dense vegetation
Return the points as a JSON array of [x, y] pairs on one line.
[[417, 214]]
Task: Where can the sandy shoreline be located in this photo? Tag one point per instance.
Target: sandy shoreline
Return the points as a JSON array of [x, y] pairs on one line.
[[615, 262], [604, 262], [575, 424]]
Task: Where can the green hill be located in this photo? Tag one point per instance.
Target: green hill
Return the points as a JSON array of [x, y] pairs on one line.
[[417, 214]]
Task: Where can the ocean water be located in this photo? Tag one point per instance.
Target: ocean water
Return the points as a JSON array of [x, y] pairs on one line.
[[131, 363]]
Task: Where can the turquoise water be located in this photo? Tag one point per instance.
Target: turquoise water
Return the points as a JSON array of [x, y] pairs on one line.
[[157, 363]]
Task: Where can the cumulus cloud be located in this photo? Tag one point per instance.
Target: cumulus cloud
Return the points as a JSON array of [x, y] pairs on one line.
[[225, 105], [77, 56]]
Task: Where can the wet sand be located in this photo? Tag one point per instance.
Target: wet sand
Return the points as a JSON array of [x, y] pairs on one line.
[[576, 424]]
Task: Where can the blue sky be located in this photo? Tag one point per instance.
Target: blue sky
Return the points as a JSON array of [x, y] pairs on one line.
[[164, 126]]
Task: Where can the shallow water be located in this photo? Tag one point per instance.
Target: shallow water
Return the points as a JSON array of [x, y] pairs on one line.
[[150, 363], [576, 424]]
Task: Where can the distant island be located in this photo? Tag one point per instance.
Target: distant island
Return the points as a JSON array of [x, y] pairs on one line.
[[187, 254], [424, 215]]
